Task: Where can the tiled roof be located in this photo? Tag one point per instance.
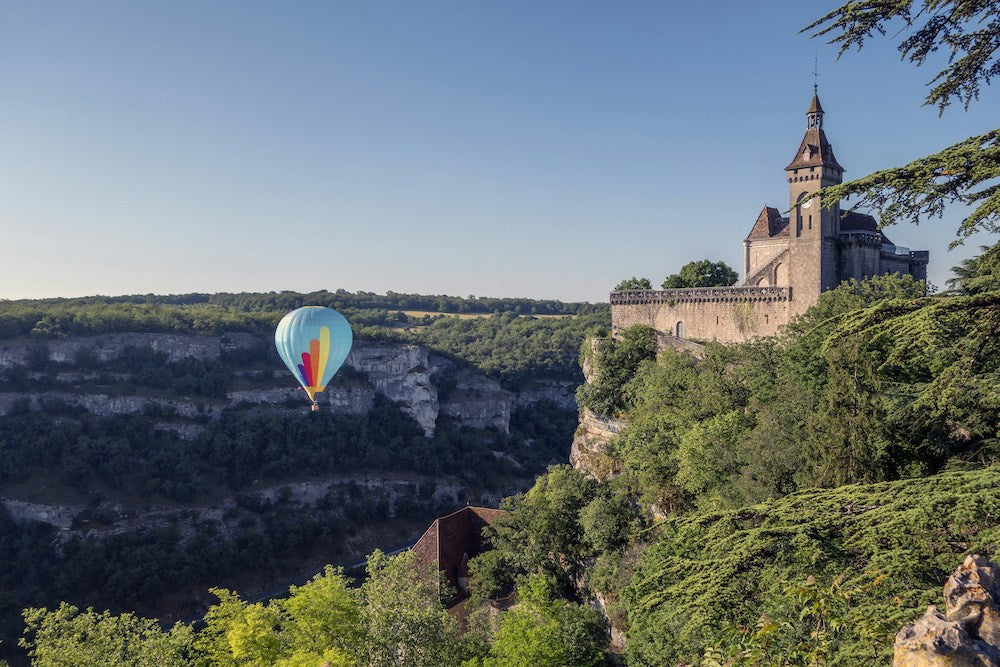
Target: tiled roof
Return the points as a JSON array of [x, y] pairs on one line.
[[769, 225], [814, 151], [815, 106], [453, 539]]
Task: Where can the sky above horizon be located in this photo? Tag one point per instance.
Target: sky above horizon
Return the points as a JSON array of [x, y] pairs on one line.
[[510, 148]]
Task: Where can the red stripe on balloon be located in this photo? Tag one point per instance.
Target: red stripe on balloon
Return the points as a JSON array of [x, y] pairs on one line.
[[307, 369]]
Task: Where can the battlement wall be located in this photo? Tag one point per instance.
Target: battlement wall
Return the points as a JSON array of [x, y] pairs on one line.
[[727, 314], [701, 295]]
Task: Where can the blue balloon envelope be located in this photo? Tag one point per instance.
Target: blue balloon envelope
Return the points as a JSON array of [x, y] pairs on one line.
[[313, 341]]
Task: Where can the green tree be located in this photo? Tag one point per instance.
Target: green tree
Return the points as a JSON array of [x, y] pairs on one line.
[[66, 636], [544, 631], [968, 31], [615, 362], [978, 274], [318, 622], [702, 273], [541, 534], [632, 284], [403, 619], [322, 620]]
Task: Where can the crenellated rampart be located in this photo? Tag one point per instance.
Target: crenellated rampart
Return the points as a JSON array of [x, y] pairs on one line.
[[704, 313]]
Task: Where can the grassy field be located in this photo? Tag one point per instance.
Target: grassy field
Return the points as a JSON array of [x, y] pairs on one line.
[[464, 316]]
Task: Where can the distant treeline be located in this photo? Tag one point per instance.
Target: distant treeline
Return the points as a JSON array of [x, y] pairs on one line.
[[340, 299], [510, 346]]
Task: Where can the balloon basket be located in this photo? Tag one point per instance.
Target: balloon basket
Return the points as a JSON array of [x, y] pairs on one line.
[[315, 406]]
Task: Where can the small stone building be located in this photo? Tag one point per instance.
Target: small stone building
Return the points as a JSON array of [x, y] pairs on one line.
[[787, 262], [452, 540]]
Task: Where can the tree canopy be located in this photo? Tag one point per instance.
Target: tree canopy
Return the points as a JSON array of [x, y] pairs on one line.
[[702, 273], [968, 31], [633, 283]]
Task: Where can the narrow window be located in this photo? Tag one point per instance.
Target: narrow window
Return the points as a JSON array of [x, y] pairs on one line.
[[810, 222], [766, 318]]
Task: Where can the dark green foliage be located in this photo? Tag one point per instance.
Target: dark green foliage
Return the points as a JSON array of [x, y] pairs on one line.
[[508, 343], [540, 535], [873, 383], [891, 544], [964, 173], [555, 529], [128, 453], [967, 30], [615, 362], [978, 274], [702, 273], [633, 283], [514, 349]]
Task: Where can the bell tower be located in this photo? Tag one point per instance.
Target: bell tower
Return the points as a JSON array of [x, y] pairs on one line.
[[812, 231]]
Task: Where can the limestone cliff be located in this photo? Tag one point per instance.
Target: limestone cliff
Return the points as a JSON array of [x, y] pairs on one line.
[[589, 451], [410, 375]]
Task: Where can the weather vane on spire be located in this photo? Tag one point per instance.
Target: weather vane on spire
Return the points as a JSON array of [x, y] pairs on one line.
[[816, 74]]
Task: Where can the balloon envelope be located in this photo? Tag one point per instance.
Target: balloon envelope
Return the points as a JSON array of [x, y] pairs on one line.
[[313, 342]]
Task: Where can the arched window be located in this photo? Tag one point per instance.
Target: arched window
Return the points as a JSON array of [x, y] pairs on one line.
[[679, 329], [781, 274]]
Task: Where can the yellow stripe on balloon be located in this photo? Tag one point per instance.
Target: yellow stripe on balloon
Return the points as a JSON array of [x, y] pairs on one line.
[[324, 355]]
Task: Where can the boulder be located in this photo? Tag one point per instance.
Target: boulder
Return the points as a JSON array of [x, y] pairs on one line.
[[968, 633]]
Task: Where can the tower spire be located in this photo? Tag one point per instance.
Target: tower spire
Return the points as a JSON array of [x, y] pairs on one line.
[[814, 116], [816, 75]]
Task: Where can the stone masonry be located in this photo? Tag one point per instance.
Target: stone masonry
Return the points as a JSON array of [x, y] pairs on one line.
[[788, 262]]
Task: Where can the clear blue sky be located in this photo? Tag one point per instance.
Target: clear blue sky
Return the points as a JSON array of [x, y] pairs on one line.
[[501, 148]]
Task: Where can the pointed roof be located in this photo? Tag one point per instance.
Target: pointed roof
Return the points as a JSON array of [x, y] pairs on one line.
[[769, 225], [814, 151]]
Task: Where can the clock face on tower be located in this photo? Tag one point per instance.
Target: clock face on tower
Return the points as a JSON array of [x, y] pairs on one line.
[[805, 200]]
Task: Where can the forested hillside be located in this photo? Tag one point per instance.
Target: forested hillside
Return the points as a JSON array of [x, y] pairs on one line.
[[163, 435], [512, 340]]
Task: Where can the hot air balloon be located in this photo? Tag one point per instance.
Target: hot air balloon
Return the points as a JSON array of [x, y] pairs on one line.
[[313, 341]]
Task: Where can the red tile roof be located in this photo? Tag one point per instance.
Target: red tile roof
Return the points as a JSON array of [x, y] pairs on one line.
[[453, 539], [769, 225]]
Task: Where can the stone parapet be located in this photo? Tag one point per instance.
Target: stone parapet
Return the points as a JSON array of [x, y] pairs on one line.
[[700, 294]]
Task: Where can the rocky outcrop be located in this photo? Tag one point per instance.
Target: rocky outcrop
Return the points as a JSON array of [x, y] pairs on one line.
[[106, 347], [478, 402], [967, 634], [404, 373], [106, 405], [558, 392], [589, 452]]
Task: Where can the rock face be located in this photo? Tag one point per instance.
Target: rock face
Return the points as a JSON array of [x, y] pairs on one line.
[[478, 402], [968, 633], [404, 373], [589, 452]]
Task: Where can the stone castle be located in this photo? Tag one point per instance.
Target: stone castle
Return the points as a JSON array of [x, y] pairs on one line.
[[787, 262]]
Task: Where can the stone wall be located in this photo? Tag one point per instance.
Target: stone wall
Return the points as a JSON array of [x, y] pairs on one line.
[[727, 314]]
